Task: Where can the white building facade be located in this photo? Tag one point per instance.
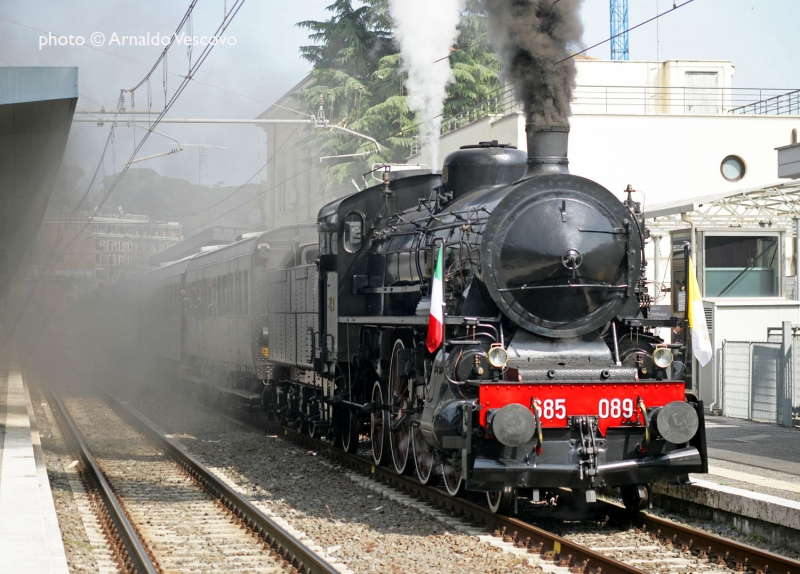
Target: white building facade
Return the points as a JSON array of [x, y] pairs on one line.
[[665, 128]]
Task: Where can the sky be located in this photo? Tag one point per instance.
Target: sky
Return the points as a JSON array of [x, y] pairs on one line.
[[758, 36]]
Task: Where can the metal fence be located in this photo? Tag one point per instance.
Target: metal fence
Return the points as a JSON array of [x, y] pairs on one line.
[[761, 379], [642, 100], [787, 104]]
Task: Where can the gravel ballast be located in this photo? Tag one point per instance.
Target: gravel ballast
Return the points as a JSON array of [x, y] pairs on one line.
[[357, 527]]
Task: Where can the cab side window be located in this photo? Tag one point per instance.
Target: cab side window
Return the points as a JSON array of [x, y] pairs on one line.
[[353, 231]]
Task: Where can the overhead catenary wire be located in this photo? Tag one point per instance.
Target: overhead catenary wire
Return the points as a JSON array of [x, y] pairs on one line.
[[163, 56], [656, 17], [182, 86], [234, 192], [96, 171], [220, 216]]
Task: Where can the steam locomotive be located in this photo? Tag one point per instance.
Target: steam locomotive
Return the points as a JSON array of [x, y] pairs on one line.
[[548, 375]]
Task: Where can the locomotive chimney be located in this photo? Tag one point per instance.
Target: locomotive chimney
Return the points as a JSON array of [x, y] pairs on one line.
[[547, 150]]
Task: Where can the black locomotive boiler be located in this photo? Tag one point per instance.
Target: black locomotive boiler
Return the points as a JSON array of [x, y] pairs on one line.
[[546, 376]]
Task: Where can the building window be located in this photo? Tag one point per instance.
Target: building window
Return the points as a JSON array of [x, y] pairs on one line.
[[99, 244], [98, 258], [147, 246], [733, 168], [111, 260], [98, 273], [742, 265], [155, 247]]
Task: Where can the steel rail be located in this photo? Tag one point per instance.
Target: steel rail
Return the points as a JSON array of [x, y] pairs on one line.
[[548, 545], [735, 555], [137, 556], [297, 553], [723, 551]]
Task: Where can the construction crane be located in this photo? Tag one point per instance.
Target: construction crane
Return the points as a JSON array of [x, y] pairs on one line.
[[619, 29]]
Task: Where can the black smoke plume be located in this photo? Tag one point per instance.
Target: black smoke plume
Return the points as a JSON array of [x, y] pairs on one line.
[[533, 37]]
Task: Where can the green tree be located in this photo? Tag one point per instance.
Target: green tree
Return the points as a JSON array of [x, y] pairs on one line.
[[358, 76], [475, 63]]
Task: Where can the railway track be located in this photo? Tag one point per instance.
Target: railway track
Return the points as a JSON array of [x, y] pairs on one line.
[[164, 511], [680, 546]]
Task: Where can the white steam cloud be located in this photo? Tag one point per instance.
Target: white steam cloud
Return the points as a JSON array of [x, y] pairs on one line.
[[426, 31]]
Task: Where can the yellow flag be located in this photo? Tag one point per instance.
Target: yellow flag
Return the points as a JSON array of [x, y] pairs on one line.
[[701, 342]]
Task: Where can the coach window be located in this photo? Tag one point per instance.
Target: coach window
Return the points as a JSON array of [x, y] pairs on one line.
[[205, 300], [353, 231], [238, 293], [245, 294], [230, 292], [216, 289], [742, 265]]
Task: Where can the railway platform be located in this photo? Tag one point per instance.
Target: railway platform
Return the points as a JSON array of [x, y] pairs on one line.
[[753, 481], [30, 538]]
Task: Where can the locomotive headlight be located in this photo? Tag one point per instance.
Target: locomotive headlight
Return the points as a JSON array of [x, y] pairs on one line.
[[662, 357], [497, 356]]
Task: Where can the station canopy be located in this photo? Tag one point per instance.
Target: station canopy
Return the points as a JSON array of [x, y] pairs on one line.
[[772, 206]]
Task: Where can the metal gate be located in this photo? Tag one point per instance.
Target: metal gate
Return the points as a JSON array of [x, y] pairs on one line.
[[758, 378], [765, 375], [736, 379]]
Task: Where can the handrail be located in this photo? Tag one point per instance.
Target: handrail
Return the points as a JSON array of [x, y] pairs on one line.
[[654, 99]]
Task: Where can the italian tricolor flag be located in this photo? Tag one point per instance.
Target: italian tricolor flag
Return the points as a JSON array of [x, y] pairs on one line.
[[436, 318]]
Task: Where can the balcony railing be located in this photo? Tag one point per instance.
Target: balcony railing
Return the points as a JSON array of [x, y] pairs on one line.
[[644, 100], [787, 104]]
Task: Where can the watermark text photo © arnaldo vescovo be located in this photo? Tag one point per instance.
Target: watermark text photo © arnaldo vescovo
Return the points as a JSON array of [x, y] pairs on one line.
[[100, 39]]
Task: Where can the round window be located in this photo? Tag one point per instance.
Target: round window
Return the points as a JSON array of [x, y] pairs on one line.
[[732, 168]]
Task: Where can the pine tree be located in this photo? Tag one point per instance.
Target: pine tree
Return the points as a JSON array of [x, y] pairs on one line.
[[358, 74]]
